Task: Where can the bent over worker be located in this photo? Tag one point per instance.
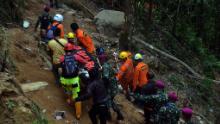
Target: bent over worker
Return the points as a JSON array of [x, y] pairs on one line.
[[83, 38]]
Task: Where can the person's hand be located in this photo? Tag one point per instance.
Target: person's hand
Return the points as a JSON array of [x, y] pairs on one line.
[[100, 69]]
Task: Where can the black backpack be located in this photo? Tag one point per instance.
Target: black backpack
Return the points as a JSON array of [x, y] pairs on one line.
[[69, 67]]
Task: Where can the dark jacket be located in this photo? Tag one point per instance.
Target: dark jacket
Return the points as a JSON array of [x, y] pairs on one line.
[[155, 100], [97, 91], [44, 23]]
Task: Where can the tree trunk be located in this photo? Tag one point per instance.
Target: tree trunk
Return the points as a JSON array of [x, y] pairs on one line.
[[217, 27], [124, 41], [200, 21], [150, 10]]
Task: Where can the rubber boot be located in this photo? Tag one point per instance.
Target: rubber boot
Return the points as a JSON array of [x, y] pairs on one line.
[[78, 109]]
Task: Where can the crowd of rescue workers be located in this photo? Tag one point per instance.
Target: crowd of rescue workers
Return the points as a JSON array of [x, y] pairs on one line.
[[84, 71]]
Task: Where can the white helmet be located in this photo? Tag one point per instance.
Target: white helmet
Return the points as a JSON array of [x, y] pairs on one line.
[[58, 17]]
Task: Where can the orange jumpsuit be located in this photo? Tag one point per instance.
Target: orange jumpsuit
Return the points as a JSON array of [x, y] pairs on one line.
[[125, 74], [85, 40], [60, 26], [140, 75]]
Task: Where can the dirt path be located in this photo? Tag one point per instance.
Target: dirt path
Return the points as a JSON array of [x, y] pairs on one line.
[[31, 67]]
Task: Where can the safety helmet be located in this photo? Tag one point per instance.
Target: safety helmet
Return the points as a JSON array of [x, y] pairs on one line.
[[68, 47], [100, 51], [160, 84], [138, 56], [70, 35], [123, 55], [46, 8], [173, 96], [58, 17]]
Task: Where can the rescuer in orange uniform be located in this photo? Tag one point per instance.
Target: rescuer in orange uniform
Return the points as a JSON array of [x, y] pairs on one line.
[[125, 74], [140, 78], [83, 38]]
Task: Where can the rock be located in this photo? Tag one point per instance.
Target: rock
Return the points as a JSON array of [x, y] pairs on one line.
[[71, 12], [44, 110], [98, 36], [200, 120], [64, 6], [60, 10], [112, 18], [22, 114], [59, 115], [33, 86], [87, 20], [7, 85]]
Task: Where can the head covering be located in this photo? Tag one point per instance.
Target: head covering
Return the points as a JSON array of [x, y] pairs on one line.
[[160, 84], [173, 96], [138, 56], [58, 17], [187, 113]]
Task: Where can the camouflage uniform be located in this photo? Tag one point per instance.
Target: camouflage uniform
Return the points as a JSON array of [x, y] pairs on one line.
[[169, 114], [158, 99], [108, 75], [152, 105]]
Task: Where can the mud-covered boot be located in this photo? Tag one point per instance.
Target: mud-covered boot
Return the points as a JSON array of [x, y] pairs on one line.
[[78, 109]]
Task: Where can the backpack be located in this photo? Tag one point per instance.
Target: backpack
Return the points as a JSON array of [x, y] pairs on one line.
[[50, 32], [45, 21], [69, 67]]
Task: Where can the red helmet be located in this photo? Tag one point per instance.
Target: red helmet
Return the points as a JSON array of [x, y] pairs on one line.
[[68, 47]]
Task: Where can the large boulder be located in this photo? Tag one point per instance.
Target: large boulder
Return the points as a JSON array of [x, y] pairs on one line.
[[111, 18]]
